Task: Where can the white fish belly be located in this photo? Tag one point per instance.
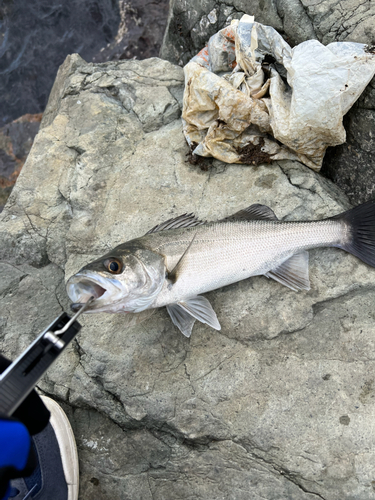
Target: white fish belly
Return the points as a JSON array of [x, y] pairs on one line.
[[224, 253]]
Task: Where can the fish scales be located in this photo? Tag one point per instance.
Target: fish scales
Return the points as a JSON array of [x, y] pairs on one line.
[[226, 252], [182, 258]]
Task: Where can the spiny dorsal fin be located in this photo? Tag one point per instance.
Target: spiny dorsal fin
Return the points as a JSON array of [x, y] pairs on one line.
[[185, 312], [254, 212], [294, 272], [185, 220]]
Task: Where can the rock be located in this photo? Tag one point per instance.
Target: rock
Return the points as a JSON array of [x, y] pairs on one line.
[[351, 165], [279, 404], [189, 29], [140, 32], [16, 139]]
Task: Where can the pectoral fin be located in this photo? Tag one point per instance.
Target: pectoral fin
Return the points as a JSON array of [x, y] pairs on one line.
[[172, 276], [293, 273], [185, 312]]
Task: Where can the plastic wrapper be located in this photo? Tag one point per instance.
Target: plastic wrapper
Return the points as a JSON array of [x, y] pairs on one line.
[[250, 98]]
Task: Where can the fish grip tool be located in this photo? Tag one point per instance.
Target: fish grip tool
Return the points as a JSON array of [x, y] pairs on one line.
[[18, 380]]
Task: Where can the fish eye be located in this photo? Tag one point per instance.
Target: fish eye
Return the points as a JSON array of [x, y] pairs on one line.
[[114, 266]]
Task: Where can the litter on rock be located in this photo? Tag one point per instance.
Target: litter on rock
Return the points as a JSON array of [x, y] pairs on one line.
[[251, 98]]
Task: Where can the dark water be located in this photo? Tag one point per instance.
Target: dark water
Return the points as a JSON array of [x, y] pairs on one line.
[[37, 35], [35, 38]]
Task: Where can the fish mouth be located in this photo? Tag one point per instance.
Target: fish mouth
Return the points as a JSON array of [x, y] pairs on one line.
[[92, 289], [84, 285]]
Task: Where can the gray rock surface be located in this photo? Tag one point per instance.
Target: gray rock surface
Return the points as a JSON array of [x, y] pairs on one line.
[[191, 24], [279, 404], [352, 166]]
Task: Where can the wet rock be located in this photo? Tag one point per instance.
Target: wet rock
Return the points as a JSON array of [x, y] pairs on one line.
[[37, 37], [253, 410], [140, 32]]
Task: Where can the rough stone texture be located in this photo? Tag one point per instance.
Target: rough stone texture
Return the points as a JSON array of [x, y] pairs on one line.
[[192, 22], [140, 32], [16, 139], [279, 404], [352, 166]]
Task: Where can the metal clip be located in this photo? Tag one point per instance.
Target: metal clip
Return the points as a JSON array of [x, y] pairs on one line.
[[52, 337], [55, 341], [72, 320]]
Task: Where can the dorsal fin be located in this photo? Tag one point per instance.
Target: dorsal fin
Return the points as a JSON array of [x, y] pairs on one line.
[[294, 272], [184, 220], [253, 212]]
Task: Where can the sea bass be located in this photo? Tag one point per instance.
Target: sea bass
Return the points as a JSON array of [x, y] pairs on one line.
[[184, 257]]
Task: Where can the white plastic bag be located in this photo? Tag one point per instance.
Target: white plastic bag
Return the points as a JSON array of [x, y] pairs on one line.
[[250, 98]]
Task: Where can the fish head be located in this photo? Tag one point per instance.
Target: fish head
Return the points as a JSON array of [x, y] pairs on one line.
[[127, 279]]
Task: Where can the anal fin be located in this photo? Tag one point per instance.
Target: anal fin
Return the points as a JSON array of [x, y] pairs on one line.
[[294, 272], [185, 312]]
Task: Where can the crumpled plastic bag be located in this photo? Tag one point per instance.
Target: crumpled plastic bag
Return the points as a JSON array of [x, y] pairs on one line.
[[250, 98]]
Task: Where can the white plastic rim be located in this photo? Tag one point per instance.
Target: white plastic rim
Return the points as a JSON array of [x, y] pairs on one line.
[[67, 444]]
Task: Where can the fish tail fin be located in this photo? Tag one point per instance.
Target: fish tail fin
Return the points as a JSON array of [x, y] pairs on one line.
[[360, 240]]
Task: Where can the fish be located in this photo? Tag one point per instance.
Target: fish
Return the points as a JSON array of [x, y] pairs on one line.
[[182, 258]]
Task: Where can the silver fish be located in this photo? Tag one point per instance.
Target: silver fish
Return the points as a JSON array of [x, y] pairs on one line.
[[182, 258]]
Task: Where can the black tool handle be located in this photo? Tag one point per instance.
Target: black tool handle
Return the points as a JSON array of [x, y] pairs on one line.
[[18, 380]]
